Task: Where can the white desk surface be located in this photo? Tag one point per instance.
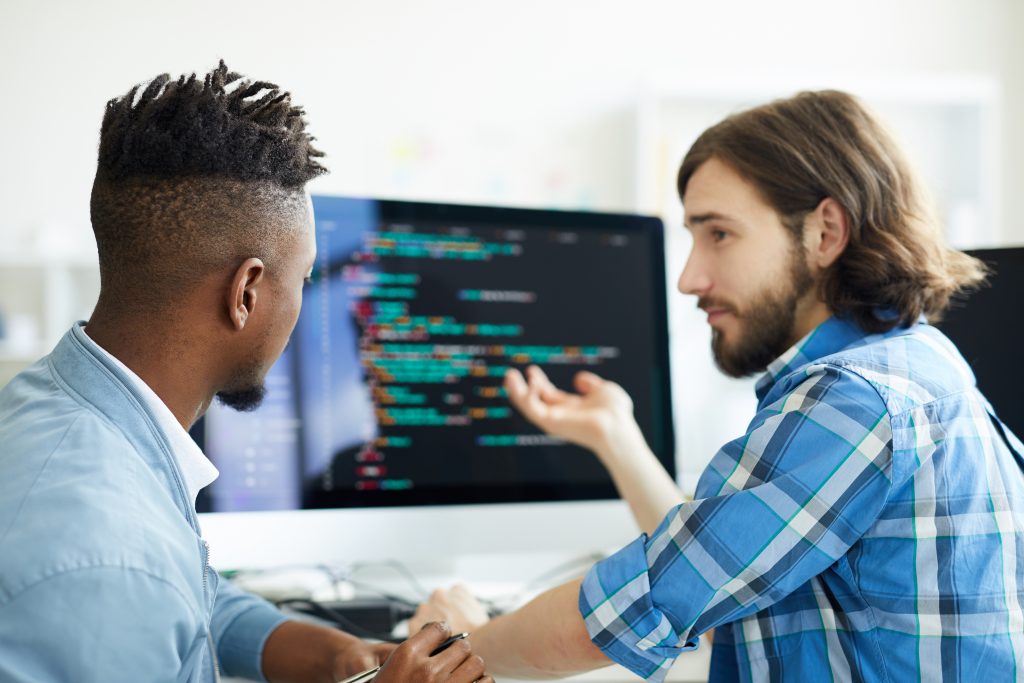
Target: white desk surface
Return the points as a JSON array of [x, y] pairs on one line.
[[492, 576], [691, 667]]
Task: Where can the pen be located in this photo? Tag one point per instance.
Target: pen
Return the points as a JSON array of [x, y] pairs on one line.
[[368, 675]]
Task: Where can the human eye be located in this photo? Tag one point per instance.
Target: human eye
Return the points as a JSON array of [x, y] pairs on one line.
[[718, 235]]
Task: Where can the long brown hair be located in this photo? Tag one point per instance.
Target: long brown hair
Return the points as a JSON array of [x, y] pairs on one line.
[[800, 150]]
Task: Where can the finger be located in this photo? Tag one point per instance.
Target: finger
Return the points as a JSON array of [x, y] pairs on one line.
[[525, 397], [428, 638], [539, 380], [417, 620], [381, 651], [551, 394], [585, 382], [548, 391], [471, 669], [515, 385], [536, 407], [518, 391], [459, 590], [367, 659], [454, 655], [485, 679], [425, 613]]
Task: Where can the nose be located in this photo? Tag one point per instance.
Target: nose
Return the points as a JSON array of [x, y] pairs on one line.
[[694, 279]]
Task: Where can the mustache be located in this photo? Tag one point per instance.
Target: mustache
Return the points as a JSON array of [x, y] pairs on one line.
[[706, 302]]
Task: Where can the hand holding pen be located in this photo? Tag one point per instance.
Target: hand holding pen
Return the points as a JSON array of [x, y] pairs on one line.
[[431, 656]]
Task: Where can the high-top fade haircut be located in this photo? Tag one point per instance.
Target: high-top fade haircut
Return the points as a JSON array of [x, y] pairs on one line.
[[195, 175], [798, 151]]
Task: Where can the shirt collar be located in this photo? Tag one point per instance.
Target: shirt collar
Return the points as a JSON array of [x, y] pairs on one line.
[[831, 336], [196, 469]]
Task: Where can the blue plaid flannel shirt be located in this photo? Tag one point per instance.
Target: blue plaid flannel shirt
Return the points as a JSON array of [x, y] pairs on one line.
[[868, 526]]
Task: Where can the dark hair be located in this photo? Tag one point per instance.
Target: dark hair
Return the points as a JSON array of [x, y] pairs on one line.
[[800, 150], [195, 173]]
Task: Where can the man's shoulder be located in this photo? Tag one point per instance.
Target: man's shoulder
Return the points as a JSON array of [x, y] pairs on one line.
[[74, 494], [45, 430], [37, 407], [907, 367]]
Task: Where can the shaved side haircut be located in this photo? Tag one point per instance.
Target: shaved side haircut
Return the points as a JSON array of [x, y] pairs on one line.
[[195, 175]]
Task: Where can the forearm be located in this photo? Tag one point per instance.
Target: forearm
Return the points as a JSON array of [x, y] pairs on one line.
[[297, 652], [546, 638], [639, 477]]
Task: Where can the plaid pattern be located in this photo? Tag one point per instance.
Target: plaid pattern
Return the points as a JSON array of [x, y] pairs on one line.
[[868, 526]]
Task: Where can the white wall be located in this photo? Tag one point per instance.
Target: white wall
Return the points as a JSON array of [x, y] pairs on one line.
[[464, 89], [526, 102]]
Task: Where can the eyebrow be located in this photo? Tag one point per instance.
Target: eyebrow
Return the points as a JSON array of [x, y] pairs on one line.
[[699, 218]]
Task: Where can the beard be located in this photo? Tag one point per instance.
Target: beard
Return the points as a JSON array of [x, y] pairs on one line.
[[246, 392], [766, 324], [245, 399]]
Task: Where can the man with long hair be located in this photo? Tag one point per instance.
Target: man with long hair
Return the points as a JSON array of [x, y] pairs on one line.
[[869, 525], [204, 231]]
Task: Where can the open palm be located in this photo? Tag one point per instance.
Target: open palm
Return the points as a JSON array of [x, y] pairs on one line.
[[588, 418]]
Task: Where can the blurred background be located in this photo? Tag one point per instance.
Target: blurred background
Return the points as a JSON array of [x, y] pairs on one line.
[[576, 105]]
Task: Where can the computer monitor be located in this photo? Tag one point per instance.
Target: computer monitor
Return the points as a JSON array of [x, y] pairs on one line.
[[390, 395], [987, 328]]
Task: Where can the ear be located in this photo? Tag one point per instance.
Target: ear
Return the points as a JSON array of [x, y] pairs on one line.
[[827, 232], [242, 294]]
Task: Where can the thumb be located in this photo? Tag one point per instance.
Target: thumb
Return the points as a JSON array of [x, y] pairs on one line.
[[367, 660], [587, 382]]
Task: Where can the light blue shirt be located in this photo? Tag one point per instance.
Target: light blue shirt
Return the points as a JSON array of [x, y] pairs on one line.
[[103, 573]]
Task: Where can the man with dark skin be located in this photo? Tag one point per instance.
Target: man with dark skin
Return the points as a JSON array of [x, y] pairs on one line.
[[205, 237]]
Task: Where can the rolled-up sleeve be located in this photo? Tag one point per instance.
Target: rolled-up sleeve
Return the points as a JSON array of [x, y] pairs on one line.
[[241, 624], [791, 496]]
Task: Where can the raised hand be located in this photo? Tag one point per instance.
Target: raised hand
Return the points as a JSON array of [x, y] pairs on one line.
[[600, 417], [593, 418]]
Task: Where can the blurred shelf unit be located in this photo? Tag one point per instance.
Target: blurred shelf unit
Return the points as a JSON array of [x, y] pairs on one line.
[[40, 296], [950, 128]]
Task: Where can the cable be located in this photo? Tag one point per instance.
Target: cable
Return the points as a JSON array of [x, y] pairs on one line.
[[401, 569]]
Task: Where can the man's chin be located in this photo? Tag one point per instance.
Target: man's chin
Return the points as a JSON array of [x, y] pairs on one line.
[[243, 400], [732, 361]]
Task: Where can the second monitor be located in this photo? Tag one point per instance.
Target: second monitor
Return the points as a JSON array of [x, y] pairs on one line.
[[390, 392]]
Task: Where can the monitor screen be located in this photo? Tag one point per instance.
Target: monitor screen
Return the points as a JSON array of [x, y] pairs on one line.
[[987, 328], [390, 390]]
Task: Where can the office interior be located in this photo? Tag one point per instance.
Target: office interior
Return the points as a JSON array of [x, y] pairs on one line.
[[571, 106]]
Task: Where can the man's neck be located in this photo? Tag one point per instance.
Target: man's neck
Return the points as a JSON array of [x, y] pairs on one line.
[[158, 359], [809, 315]]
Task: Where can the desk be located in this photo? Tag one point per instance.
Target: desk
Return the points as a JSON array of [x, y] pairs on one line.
[[691, 667], [491, 576]]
